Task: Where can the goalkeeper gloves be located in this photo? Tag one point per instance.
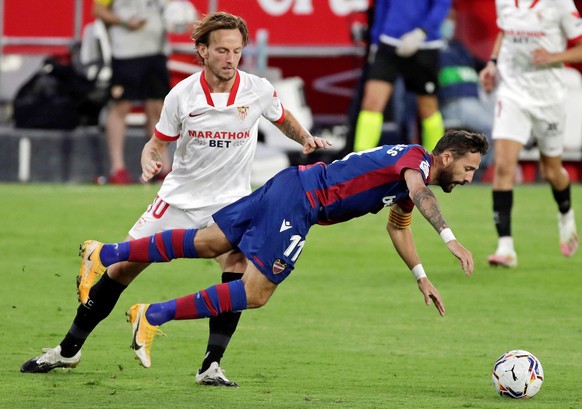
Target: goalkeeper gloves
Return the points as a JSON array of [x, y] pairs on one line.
[[410, 42]]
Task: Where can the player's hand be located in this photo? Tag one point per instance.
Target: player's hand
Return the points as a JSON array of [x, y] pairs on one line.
[[464, 256], [149, 169], [541, 56], [410, 42], [313, 143], [431, 294], [488, 76], [134, 23]]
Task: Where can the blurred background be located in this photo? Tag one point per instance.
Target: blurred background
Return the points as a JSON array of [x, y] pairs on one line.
[[313, 51]]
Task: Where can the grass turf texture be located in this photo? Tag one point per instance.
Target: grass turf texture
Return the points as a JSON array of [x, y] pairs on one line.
[[348, 329]]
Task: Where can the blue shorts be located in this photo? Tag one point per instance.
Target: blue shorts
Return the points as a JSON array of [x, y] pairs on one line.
[[270, 225]]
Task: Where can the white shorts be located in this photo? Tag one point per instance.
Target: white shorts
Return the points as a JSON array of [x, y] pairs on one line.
[[519, 122], [160, 216]]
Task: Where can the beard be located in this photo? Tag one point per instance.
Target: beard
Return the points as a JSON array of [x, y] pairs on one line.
[[446, 180], [219, 74]]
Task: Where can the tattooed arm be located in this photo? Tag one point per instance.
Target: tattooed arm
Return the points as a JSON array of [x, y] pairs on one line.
[[151, 157], [294, 130], [426, 202]]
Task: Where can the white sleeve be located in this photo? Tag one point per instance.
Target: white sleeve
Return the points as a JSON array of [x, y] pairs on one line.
[[272, 107], [169, 126], [570, 19]]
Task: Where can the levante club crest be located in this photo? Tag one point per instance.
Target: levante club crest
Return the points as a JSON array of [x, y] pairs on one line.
[[279, 266]]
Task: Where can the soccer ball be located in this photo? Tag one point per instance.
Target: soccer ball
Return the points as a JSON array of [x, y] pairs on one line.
[[517, 374]]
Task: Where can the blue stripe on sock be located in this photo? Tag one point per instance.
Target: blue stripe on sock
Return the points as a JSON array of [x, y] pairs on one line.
[[201, 307], [158, 314], [238, 295], [167, 240], [189, 249]]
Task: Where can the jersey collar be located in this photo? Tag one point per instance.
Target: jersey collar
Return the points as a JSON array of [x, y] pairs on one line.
[[208, 94]]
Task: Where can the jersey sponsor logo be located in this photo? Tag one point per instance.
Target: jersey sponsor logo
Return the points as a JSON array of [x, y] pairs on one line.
[[193, 115], [279, 266], [243, 111], [226, 135], [286, 225], [219, 139], [424, 168]]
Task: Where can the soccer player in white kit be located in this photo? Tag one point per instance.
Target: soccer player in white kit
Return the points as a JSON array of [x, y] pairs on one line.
[[213, 117], [526, 66]]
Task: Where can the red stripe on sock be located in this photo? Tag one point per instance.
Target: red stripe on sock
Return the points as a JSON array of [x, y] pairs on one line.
[[159, 243], [178, 242], [138, 249], [208, 303], [186, 308], [224, 299]]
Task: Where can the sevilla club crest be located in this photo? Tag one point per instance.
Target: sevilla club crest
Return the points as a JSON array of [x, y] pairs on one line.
[[242, 111]]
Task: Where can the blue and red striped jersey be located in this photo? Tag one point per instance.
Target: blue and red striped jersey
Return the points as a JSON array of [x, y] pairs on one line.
[[363, 182]]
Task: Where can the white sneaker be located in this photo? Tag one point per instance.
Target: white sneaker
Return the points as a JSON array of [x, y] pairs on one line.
[[50, 360], [213, 376], [503, 258], [568, 234]]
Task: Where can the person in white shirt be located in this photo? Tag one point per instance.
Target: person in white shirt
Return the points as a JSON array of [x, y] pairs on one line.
[[213, 117], [526, 67], [140, 50]]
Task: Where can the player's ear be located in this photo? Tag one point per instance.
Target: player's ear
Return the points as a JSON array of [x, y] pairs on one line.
[[202, 50], [446, 158]]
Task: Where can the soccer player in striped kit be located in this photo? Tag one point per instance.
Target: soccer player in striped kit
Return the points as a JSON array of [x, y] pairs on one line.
[[270, 226], [213, 117]]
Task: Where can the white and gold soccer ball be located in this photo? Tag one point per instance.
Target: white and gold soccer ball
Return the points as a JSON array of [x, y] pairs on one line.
[[179, 16], [517, 374]]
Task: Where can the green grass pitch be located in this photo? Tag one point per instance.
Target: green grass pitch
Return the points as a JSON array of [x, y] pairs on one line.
[[348, 329]]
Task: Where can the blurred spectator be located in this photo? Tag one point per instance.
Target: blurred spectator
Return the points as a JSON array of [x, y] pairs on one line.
[[139, 68], [407, 37], [461, 102]]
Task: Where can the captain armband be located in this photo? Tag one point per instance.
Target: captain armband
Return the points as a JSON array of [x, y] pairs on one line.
[[399, 219]]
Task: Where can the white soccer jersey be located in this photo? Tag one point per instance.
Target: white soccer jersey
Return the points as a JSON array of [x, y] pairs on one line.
[[527, 25], [216, 138]]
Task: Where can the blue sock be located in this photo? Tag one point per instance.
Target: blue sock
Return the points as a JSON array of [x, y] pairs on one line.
[[114, 253], [160, 313]]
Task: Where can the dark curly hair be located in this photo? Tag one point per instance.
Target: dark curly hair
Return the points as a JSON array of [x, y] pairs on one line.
[[460, 141]]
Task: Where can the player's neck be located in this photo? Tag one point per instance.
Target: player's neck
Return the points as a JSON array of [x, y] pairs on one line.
[[216, 84]]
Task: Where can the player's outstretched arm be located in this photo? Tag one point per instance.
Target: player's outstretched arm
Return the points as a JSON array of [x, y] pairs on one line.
[[151, 157], [426, 202], [292, 129], [402, 239]]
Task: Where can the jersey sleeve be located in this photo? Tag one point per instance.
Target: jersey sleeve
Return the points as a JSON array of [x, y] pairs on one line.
[[414, 158], [570, 20], [169, 126], [272, 106]]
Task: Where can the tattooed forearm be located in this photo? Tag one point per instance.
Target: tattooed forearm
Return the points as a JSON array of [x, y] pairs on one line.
[[426, 202], [293, 131], [155, 155]]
